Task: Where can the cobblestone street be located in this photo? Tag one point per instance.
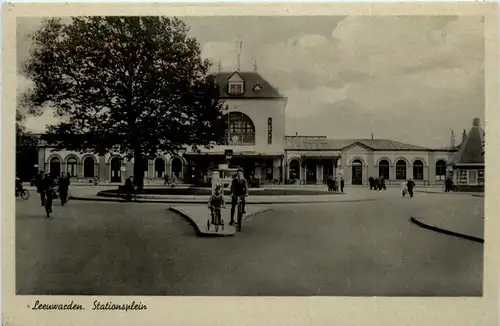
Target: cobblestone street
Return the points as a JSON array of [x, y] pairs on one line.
[[350, 249]]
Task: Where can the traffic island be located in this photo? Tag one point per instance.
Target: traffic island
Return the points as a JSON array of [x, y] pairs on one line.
[[471, 228], [198, 216]]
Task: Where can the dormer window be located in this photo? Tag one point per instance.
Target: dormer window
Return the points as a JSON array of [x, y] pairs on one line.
[[235, 88], [257, 88], [236, 85]]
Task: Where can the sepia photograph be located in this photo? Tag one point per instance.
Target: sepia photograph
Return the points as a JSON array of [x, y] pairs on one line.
[[232, 156], [275, 156]]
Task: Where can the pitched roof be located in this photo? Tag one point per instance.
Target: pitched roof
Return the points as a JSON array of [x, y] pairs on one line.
[[471, 150], [339, 144], [251, 80]]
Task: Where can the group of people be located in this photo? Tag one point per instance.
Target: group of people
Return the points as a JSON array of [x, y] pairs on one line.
[[377, 183], [239, 189], [333, 184], [46, 186], [170, 181]]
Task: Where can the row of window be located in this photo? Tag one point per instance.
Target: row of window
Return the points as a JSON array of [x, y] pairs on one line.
[[384, 169], [89, 166]]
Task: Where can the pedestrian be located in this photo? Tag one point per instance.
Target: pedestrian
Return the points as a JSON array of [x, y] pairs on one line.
[[329, 183], [63, 183], [166, 179], [370, 180], [448, 184], [342, 183], [47, 188], [334, 184], [129, 188], [377, 183], [173, 180], [410, 185], [382, 182], [39, 186]]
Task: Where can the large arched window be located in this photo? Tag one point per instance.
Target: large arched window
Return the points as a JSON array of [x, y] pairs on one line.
[[241, 129], [270, 131], [400, 170], [176, 167], [55, 167], [418, 170], [159, 167], [71, 166], [383, 169], [440, 170], [88, 167]]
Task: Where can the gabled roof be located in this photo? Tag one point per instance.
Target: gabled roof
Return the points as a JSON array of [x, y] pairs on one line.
[[341, 144], [251, 80], [471, 150]]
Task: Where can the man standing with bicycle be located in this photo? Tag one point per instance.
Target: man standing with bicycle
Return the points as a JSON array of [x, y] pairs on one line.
[[239, 188]]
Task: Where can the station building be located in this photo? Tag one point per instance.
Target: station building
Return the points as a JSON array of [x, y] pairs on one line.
[[256, 135]]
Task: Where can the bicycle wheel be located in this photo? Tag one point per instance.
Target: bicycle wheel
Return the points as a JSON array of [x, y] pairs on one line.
[[25, 194], [240, 215]]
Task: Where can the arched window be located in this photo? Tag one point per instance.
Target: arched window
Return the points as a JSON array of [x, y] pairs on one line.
[[440, 170], [270, 131], [418, 170], [241, 129], [357, 172], [55, 167], [383, 169], [71, 166], [294, 168], [400, 170], [176, 166], [88, 167], [159, 167]]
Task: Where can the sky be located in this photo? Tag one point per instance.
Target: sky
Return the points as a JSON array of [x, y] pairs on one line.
[[407, 78]]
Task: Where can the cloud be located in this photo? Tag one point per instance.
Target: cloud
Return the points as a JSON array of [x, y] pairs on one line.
[[364, 73]]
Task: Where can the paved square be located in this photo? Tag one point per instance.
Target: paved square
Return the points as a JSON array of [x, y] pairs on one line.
[[340, 248]]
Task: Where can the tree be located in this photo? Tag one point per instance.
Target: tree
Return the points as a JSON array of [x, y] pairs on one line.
[[134, 85], [26, 150]]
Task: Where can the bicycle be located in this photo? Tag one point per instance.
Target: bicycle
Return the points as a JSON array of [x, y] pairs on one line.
[[217, 219], [23, 193], [240, 214]]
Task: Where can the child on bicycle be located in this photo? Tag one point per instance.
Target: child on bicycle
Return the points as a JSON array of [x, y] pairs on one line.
[[216, 202]]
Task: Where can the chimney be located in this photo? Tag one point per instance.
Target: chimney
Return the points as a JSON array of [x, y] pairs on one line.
[[475, 122], [464, 135], [452, 144], [297, 134]]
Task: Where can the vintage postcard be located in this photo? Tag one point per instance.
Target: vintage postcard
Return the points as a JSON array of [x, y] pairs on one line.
[[225, 164]]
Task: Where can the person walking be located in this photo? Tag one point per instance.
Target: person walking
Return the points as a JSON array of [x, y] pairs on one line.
[[382, 182], [410, 185], [63, 183], [47, 188], [342, 183], [371, 181], [166, 179], [129, 188]]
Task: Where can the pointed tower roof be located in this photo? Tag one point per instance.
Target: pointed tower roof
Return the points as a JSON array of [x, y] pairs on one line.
[[471, 150]]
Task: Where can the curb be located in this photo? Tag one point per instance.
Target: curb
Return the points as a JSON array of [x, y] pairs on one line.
[[455, 192], [195, 201], [204, 234], [444, 231]]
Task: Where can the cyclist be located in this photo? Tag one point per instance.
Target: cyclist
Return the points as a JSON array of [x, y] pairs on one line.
[[19, 186], [239, 188], [216, 202]]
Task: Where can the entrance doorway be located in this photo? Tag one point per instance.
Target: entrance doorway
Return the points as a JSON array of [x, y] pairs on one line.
[[116, 173], [311, 170], [176, 167], [472, 177], [357, 172], [55, 167]]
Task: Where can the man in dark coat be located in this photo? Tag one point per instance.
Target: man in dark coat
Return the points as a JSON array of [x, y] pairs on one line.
[[329, 183], [382, 182], [129, 188], [371, 181], [410, 185], [47, 184], [342, 183], [448, 184], [239, 188], [63, 188]]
